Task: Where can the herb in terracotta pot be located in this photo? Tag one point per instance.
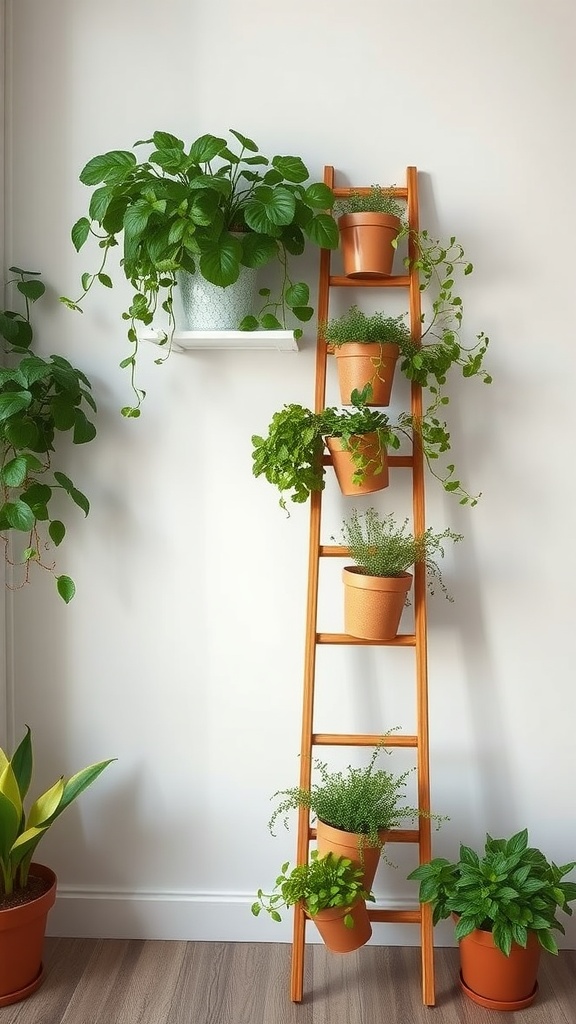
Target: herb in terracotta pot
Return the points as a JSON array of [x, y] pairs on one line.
[[290, 456], [505, 901]]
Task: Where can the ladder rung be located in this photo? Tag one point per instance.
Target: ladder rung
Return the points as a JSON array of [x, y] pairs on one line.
[[365, 190], [399, 281], [393, 835], [402, 640], [333, 739], [395, 916]]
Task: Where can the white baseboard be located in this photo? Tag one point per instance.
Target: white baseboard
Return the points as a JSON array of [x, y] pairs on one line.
[[207, 917]]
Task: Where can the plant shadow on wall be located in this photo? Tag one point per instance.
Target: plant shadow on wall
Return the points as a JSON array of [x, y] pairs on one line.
[[209, 210], [39, 398]]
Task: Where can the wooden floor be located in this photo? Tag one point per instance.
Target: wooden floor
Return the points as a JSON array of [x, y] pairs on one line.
[[110, 981]]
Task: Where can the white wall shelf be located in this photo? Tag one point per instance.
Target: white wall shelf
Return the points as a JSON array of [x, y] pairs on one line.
[[185, 341]]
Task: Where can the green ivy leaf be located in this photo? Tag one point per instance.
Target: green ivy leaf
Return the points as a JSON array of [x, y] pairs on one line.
[[80, 232], [19, 515], [57, 531], [66, 588], [31, 289], [14, 402], [13, 473]]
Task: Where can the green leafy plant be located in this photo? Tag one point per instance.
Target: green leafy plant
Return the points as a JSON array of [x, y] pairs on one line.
[[367, 329], [381, 546], [324, 882], [290, 456], [509, 890], [38, 399], [209, 208], [364, 801], [377, 199], [20, 832]]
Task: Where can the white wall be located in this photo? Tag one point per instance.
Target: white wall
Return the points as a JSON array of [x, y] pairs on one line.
[[182, 652]]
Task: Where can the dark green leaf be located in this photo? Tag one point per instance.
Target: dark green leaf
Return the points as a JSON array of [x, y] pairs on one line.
[[80, 232], [206, 148], [291, 167], [112, 167], [66, 588], [220, 262], [246, 143], [19, 515], [13, 473], [31, 289], [13, 402], [323, 230], [84, 430], [298, 294], [57, 531]]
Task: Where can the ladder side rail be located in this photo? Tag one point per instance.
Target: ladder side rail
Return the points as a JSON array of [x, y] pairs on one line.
[[302, 848], [420, 607]]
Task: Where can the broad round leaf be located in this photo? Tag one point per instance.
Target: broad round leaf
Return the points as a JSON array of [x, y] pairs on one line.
[[111, 167], [292, 167], [319, 196], [206, 148], [257, 249], [220, 261], [14, 402], [269, 208], [19, 515], [31, 289], [298, 294], [13, 473], [323, 230]]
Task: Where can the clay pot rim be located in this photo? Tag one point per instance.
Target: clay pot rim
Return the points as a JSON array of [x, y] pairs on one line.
[[359, 574], [388, 348], [367, 218], [344, 831]]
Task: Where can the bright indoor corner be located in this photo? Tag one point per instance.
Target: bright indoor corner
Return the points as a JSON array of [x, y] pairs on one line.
[[316, 734]]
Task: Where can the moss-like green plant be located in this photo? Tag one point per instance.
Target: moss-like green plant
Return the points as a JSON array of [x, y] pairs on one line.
[[364, 801], [324, 882], [381, 546], [356, 326], [378, 199], [510, 890]]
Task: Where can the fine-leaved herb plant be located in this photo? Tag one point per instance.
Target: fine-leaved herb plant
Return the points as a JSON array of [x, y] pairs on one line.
[[323, 883]]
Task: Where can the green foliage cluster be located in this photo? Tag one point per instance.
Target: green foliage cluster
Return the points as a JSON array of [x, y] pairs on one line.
[[209, 208], [363, 801], [38, 399], [378, 199], [381, 546], [324, 882], [20, 833], [290, 456], [511, 890], [356, 326]]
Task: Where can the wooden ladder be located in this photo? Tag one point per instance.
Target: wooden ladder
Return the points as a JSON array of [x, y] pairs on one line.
[[317, 550]]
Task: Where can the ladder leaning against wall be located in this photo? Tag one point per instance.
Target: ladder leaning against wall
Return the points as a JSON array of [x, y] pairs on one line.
[[417, 642]]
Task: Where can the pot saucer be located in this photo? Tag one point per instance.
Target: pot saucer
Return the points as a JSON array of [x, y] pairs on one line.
[[23, 993], [498, 1004]]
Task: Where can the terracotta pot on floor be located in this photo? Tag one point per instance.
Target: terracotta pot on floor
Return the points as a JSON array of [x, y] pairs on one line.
[[335, 935], [373, 604], [359, 364], [366, 243], [22, 931], [368, 445], [494, 980], [351, 845]]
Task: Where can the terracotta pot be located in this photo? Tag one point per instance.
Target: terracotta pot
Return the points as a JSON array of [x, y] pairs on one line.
[[22, 931], [494, 980], [351, 845], [359, 364], [335, 935], [366, 243], [373, 604], [376, 474]]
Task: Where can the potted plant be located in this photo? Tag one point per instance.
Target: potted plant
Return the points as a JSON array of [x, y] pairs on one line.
[[290, 456], [366, 348], [354, 810], [505, 901], [27, 889], [376, 587], [368, 221], [333, 894], [209, 209], [39, 398]]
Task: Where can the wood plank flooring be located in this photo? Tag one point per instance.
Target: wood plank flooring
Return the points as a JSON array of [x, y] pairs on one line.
[[112, 981]]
